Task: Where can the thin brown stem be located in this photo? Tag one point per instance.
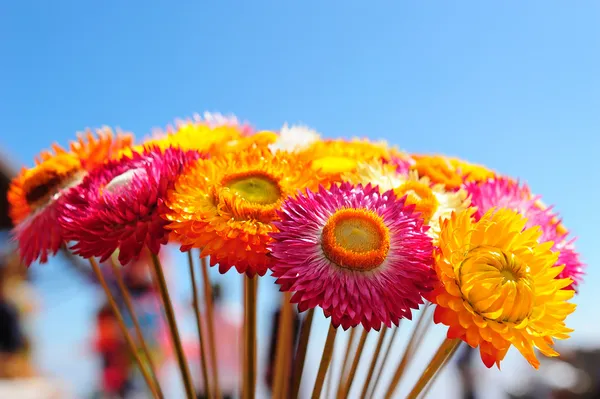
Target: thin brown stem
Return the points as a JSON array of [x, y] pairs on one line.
[[210, 322], [386, 351], [250, 338], [329, 377], [168, 305], [196, 305], [346, 360], [138, 330], [301, 352], [325, 360], [281, 370], [415, 338], [382, 335], [431, 382], [446, 350], [129, 340], [343, 393]]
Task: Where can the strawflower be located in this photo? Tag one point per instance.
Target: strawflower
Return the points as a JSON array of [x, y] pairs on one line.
[[294, 138], [360, 255], [451, 172], [226, 205], [505, 193], [432, 201], [116, 207], [332, 158], [498, 287], [36, 194]]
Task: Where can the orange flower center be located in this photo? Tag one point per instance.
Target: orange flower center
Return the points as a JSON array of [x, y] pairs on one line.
[[332, 165], [45, 180], [497, 285], [255, 187], [356, 239], [421, 196]]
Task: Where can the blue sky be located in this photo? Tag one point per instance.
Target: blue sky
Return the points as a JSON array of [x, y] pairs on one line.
[[512, 85]]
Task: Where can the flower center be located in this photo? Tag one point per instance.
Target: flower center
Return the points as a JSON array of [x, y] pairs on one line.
[[356, 239], [124, 179], [334, 165], [255, 187], [421, 196], [497, 285], [48, 178]]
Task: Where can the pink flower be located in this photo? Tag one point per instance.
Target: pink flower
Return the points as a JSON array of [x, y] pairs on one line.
[[362, 256], [504, 193], [117, 205]]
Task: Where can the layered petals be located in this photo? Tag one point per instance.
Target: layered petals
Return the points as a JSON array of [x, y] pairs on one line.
[[362, 256]]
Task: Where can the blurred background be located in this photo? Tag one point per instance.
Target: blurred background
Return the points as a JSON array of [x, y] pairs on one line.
[[513, 85]]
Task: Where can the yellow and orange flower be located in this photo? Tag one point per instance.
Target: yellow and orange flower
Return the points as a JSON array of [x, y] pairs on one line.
[[432, 201], [498, 287], [207, 138], [451, 172], [33, 194], [333, 158], [226, 205]]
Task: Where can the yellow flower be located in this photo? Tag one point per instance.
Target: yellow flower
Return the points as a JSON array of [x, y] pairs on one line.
[[451, 172], [336, 157], [432, 201], [498, 287]]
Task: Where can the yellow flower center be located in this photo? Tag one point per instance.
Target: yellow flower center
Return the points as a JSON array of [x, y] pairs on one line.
[[356, 239], [334, 164], [497, 285], [43, 181], [421, 196], [255, 187]]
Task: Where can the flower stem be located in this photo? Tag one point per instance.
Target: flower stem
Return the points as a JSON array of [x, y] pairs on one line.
[[300, 356], [136, 324], [381, 367], [432, 381], [325, 360], [343, 393], [123, 327], [210, 322], [196, 305], [250, 333], [446, 350], [281, 371], [346, 360], [382, 335], [170, 313], [415, 339]]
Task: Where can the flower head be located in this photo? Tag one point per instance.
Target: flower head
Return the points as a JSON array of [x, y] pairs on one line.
[[505, 193], [36, 193], [360, 255], [116, 207], [451, 172], [294, 138], [498, 287], [432, 201], [333, 158], [226, 205]]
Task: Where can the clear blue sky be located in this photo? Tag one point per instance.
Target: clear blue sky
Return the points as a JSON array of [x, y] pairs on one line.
[[514, 85]]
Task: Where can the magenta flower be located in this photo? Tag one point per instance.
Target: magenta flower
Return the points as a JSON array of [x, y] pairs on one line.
[[362, 256], [117, 206]]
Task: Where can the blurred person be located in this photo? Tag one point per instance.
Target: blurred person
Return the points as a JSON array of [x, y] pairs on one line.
[[14, 353]]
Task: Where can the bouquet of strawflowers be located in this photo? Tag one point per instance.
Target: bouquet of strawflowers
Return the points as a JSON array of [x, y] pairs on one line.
[[360, 229]]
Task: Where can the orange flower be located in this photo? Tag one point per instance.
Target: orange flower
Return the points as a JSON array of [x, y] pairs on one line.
[[498, 286], [226, 205], [34, 193], [451, 172], [333, 158]]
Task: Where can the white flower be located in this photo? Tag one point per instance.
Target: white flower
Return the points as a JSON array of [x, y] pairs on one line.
[[294, 138]]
